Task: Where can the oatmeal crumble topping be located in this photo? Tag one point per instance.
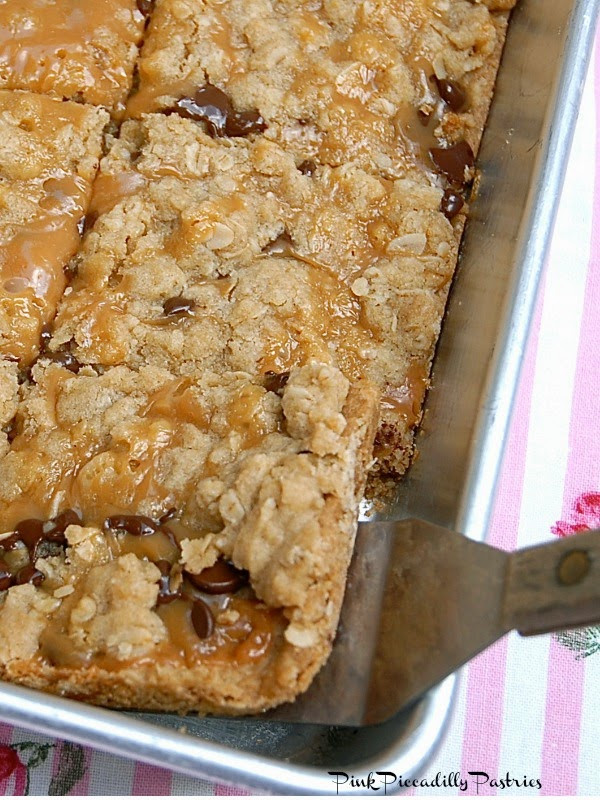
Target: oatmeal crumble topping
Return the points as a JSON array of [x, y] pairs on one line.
[[209, 337]]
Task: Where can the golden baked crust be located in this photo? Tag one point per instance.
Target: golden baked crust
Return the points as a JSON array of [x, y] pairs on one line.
[[268, 250], [335, 82], [82, 51], [284, 509], [49, 153]]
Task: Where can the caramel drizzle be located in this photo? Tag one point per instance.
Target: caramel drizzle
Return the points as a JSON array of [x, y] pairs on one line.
[[102, 479], [234, 628], [32, 263], [51, 47], [405, 401]]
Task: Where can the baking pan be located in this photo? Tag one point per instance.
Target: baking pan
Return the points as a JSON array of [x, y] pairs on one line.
[[522, 159]]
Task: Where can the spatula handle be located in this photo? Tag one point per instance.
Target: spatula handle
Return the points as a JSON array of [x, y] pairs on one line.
[[554, 586]]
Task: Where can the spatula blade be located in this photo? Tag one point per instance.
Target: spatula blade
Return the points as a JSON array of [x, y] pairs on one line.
[[420, 602]]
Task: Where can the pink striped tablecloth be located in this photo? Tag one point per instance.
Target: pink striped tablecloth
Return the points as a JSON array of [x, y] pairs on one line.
[[528, 709]]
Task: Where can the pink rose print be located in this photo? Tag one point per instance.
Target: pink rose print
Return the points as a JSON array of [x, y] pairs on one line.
[[585, 516], [21, 760], [11, 764]]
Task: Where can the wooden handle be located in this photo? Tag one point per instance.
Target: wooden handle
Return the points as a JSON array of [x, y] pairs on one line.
[[554, 586]]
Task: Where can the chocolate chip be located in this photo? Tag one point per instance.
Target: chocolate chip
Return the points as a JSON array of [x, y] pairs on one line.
[[243, 123], [275, 381], [64, 519], [45, 336], [209, 105], [221, 578], [29, 532], [145, 6], [6, 578], [29, 574], [307, 167], [64, 359], [168, 515], [12, 430], [202, 619], [165, 595], [134, 524], [452, 93], [451, 204], [90, 221], [212, 106], [33, 533], [454, 161], [71, 268], [178, 306]]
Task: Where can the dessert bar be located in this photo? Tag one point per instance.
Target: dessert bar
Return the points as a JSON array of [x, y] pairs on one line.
[[246, 335], [82, 51], [332, 82], [49, 152], [277, 266]]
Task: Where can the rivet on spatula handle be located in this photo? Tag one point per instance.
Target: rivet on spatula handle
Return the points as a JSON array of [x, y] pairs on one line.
[[554, 586]]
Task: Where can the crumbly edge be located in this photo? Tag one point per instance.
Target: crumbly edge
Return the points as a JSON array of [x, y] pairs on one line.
[[381, 485], [231, 688], [128, 688], [124, 49]]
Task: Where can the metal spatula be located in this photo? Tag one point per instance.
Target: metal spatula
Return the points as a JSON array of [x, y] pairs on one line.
[[422, 600]]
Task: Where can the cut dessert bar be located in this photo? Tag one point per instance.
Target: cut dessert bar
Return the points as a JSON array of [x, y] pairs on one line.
[[263, 276], [333, 82], [74, 49], [277, 267], [172, 443], [49, 153], [120, 608]]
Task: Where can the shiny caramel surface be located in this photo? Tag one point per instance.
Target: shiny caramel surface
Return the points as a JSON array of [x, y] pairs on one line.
[[70, 48], [44, 202], [200, 330]]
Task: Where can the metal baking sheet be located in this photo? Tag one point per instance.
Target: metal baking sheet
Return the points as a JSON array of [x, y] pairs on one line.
[[452, 483]]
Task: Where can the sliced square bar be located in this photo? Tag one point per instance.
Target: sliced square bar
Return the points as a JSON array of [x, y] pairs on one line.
[[74, 49], [49, 153], [209, 252], [375, 83], [128, 496]]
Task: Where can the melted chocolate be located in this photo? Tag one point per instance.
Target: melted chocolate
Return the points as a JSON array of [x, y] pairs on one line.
[[307, 167], [45, 336], [275, 381], [213, 107], [221, 578], [202, 619], [243, 123], [33, 533], [168, 515], [451, 204], [64, 359], [90, 221], [145, 7], [452, 93], [134, 524], [64, 519], [178, 306], [12, 430], [6, 578], [453, 161], [30, 574], [165, 595]]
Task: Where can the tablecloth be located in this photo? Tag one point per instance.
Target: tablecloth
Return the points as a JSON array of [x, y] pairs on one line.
[[528, 710]]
